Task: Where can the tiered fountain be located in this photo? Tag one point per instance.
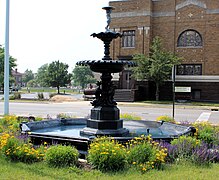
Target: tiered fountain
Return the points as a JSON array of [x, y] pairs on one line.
[[105, 116]]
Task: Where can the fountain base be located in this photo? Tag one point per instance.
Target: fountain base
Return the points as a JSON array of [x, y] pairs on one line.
[[104, 121], [105, 113]]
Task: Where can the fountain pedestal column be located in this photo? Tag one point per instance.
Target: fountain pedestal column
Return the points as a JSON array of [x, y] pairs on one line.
[[105, 116]]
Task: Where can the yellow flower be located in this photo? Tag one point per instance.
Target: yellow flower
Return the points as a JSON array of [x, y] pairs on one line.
[[133, 162], [144, 169]]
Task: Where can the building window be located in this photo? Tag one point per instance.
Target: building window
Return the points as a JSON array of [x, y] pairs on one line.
[[189, 69], [128, 39], [189, 38]]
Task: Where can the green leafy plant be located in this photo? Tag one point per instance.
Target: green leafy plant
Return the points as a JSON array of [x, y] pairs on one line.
[[207, 133], [65, 116], [145, 154], [128, 116], [9, 124], [61, 156], [166, 119], [184, 146], [16, 149], [107, 155], [17, 95], [40, 96]]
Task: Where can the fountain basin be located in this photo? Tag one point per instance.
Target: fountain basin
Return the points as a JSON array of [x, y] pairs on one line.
[[67, 131]]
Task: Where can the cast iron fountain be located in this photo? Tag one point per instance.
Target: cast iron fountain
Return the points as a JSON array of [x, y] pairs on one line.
[[105, 116]]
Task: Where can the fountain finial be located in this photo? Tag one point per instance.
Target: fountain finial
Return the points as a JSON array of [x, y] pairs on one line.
[[108, 16]]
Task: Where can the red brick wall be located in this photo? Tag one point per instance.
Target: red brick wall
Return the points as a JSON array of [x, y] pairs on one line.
[[168, 19], [169, 28]]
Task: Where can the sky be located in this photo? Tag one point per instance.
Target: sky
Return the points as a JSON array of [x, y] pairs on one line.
[[43, 31]]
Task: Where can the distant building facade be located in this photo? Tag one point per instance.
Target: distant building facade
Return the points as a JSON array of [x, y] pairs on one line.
[[188, 28], [18, 79]]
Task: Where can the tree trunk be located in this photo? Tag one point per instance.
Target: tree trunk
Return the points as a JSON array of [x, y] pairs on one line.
[[58, 89], [157, 92]]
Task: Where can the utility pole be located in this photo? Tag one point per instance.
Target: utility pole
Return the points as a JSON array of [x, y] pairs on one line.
[[6, 64]]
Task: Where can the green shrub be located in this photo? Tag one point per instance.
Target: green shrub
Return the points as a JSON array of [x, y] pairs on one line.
[[17, 95], [141, 153], [166, 119], [128, 116], [38, 118], [12, 97], [61, 156], [207, 133], [40, 96], [15, 149], [65, 116], [107, 155], [145, 154], [9, 124], [184, 146]]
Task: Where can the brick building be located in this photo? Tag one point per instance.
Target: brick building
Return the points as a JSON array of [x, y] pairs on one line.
[[18, 79], [188, 28]]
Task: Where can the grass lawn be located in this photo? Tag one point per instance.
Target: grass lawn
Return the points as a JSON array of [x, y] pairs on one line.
[[187, 103], [10, 170], [50, 90]]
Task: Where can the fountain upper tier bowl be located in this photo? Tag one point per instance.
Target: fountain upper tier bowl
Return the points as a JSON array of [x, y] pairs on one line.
[[106, 65], [103, 66]]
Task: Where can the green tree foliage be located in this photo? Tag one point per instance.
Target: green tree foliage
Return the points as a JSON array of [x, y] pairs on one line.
[[82, 75], [32, 83], [57, 75], [41, 77], [12, 64], [28, 75], [54, 74], [157, 66]]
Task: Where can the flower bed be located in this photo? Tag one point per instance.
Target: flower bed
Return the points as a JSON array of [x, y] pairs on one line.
[[106, 154]]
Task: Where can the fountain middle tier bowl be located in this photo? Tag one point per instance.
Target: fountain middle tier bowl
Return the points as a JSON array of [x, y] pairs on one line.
[[106, 66]]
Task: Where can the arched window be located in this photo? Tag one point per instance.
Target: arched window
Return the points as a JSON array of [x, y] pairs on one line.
[[189, 38]]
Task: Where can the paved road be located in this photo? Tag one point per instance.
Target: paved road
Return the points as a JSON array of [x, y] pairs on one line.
[[82, 109]]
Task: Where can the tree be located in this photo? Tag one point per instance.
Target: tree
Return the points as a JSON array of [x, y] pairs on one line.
[[12, 64], [41, 76], [28, 75], [157, 66], [57, 75], [82, 75], [32, 83]]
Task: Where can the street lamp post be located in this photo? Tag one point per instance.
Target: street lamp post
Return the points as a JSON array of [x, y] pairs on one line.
[[6, 64], [173, 82]]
